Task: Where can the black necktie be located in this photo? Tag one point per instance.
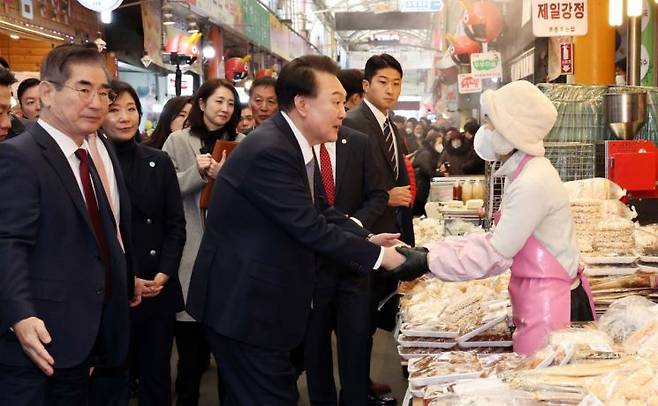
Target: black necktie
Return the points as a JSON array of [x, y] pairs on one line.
[[390, 147]]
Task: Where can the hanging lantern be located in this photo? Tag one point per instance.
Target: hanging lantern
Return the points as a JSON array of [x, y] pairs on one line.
[[461, 49], [483, 21], [236, 68]]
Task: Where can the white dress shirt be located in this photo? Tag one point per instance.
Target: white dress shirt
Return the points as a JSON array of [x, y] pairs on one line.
[[68, 147], [536, 203], [307, 154], [381, 118]]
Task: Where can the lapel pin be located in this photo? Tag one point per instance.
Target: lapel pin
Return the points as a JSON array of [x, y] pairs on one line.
[[344, 141], [152, 164]]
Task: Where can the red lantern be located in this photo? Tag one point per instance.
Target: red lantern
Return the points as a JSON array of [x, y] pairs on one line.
[[461, 49], [264, 73], [236, 69], [179, 44], [483, 21]]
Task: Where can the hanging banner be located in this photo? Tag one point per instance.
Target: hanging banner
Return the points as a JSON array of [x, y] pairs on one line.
[[256, 22], [486, 65], [151, 15], [556, 18], [648, 50]]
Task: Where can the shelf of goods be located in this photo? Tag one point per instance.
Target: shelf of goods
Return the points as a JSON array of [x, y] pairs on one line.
[[455, 339]]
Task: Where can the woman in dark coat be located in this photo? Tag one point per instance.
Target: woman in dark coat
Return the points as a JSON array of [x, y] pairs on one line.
[[425, 165], [158, 229], [455, 155]]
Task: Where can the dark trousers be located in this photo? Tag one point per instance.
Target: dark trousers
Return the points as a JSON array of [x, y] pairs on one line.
[[253, 375], [109, 386], [580, 307], [193, 361], [343, 307], [30, 387], [151, 344]]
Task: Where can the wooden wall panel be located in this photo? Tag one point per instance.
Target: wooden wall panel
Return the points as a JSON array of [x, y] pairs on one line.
[[24, 55]]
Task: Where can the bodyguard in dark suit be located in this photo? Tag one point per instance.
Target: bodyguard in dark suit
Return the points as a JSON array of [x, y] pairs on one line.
[[382, 85], [158, 230], [65, 281], [252, 285], [341, 301]]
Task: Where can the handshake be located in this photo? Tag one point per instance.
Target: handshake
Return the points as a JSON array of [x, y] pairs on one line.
[[402, 262], [414, 266]]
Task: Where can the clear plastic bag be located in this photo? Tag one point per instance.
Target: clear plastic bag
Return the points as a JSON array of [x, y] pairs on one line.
[[594, 188], [626, 316]]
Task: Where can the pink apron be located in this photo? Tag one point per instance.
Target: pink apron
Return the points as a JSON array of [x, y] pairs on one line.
[[540, 289]]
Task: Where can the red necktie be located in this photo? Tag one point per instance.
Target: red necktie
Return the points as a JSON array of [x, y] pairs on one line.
[[327, 175], [94, 215]]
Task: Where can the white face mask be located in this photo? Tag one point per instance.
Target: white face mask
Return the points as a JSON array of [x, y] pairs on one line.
[[408, 131], [456, 143], [490, 145], [438, 148]]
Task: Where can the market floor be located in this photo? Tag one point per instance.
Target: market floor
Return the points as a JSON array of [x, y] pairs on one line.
[[385, 368]]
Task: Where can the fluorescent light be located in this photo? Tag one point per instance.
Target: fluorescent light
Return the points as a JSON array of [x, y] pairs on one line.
[[14, 36], [106, 16], [31, 31], [616, 12], [634, 8]]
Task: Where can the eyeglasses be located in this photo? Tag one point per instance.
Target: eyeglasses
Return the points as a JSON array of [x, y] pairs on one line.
[[86, 94]]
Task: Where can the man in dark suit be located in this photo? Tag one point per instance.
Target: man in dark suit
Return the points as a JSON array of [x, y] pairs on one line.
[[65, 280], [382, 85], [252, 284], [341, 300]]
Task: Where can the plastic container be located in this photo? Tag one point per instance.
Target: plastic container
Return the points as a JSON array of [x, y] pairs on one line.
[[457, 191], [467, 191]]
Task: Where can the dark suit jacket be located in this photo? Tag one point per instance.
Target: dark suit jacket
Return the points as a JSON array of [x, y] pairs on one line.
[[255, 272], [359, 191], [158, 227], [50, 262], [394, 219]]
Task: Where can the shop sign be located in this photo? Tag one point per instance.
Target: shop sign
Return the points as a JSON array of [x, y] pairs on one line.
[[186, 85], [486, 65], [557, 18], [566, 59], [100, 5], [256, 22], [410, 6], [468, 83], [27, 10]]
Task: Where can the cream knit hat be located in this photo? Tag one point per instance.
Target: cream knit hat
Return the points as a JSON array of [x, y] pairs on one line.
[[521, 113]]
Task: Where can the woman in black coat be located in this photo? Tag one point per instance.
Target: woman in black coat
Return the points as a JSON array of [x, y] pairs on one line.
[[158, 230], [425, 165]]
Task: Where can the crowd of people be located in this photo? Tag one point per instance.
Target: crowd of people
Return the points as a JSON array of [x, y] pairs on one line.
[[107, 257]]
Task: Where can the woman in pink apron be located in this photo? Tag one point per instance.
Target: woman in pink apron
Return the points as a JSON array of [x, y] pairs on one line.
[[534, 233]]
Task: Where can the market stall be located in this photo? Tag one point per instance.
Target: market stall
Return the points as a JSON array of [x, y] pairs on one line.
[[455, 338]]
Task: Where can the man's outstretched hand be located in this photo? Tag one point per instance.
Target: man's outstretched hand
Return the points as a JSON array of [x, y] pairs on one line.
[[415, 266]]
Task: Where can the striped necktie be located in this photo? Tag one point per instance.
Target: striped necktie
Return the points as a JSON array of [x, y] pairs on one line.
[[390, 147]]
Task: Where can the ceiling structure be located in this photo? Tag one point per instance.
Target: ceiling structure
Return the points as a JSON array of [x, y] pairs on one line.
[[364, 24]]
